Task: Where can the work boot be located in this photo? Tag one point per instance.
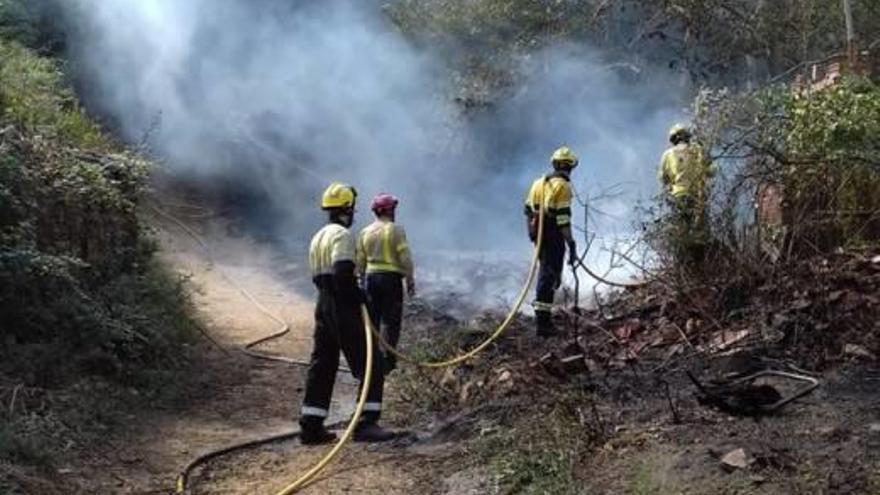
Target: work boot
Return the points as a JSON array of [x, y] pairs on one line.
[[372, 432], [545, 327], [314, 432]]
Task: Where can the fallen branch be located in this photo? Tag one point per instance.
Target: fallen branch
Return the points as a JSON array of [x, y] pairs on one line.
[[14, 397]]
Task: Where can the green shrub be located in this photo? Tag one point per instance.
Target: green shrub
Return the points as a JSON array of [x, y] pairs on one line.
[[79, 290], [539, 449], [799, 177], [33, 95], [832, 171], [492, 24], [36, 24]]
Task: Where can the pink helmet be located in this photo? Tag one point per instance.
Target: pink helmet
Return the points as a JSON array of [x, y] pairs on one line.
[[384, 202]]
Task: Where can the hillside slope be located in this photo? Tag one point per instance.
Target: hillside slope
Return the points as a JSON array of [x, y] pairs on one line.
[[88, 318]]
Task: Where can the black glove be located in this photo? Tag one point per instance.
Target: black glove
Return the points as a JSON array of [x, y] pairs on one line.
[[533, 228], [390, 362], [573, 258], [361, 296]]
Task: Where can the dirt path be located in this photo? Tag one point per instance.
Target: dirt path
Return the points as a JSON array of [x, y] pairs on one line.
[[239, 398]]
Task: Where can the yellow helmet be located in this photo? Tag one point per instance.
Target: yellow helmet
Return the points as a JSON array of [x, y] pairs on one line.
[[338, 195], [563, 156], [677, 130]]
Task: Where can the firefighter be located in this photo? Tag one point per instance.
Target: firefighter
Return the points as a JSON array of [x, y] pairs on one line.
[[338, 324], [385, 264], [557, 233], [685, 173]]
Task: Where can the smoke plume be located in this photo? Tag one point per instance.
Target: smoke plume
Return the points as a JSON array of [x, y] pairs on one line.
[[283, 97]]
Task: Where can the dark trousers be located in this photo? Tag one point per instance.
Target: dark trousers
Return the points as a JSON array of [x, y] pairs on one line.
[[689, 229], [552, 260], [385, 294], [339, 327]]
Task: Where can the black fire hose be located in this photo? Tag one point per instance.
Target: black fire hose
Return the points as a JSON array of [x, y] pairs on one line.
[[601, 279], [183, 478]]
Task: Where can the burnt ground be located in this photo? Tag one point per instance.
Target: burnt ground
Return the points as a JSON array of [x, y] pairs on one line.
[[819, 315], [609, 408], [826, 442], [636, 429]]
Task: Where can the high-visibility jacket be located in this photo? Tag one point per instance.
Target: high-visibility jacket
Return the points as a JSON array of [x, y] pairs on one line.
[[684, 170], [558, 189], [330, 245], [382, 247]]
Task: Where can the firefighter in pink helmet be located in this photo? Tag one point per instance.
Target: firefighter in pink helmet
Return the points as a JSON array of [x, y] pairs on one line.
[[385, 264]]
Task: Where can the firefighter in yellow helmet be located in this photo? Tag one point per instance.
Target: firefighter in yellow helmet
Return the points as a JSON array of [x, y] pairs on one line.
[[554, 191], [685, 173], [338, 324], [385, 264]]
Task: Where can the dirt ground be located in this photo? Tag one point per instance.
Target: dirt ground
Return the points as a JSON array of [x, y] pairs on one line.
[[827, 443], [238, 398]]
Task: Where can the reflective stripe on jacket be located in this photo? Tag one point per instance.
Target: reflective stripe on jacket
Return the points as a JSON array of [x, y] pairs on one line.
[[559, 193], [330, 245], [684, 170], [382, 247]]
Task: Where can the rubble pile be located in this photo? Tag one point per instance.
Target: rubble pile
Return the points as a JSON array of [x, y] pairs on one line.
[[816, 313]]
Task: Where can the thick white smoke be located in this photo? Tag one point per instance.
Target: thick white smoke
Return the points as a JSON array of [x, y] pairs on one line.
[[288, 96]]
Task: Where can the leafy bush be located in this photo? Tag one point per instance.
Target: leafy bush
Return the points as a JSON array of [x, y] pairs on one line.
[[712, 41], [79, 291], [832, 172], [34, 97], [491, 25], [818, 149], [33, 23]]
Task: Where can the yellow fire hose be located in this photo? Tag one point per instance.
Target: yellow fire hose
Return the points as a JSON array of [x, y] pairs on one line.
[[182, 478], [370, 331], [373, 332], [346, 435], [524, 292], [533, 270], [283, 327]]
